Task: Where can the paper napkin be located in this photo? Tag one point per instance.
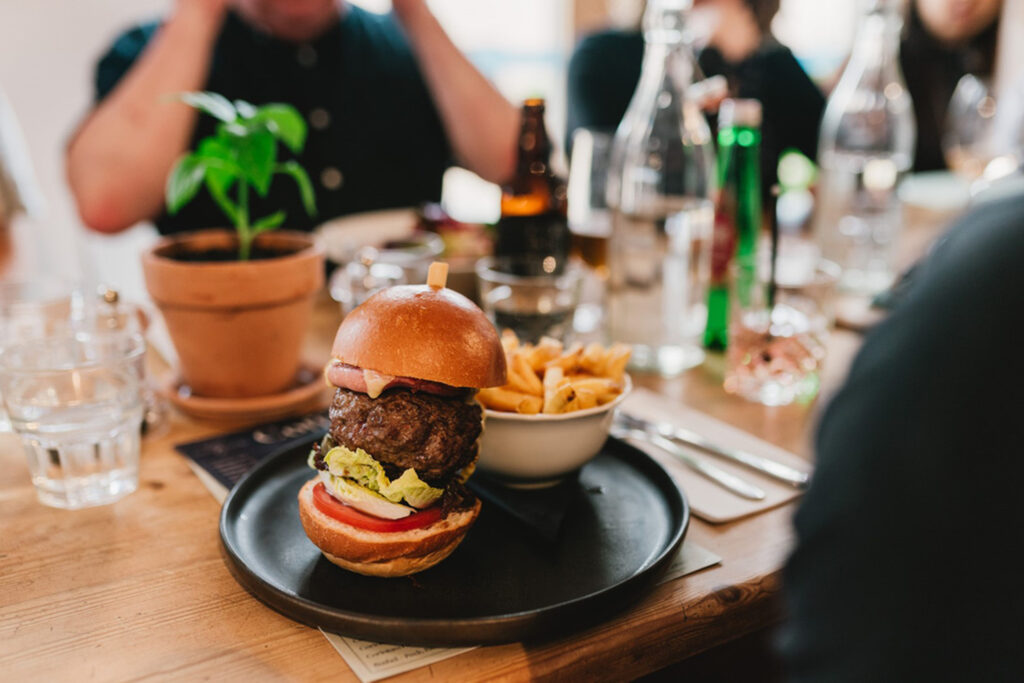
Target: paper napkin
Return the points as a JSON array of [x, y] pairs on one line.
[[708, 500]]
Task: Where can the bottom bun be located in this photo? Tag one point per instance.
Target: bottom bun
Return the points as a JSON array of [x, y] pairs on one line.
[[376, 553]]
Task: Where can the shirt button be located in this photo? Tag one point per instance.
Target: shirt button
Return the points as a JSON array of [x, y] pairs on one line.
[[306, 56], [331, 178], [319, 118]]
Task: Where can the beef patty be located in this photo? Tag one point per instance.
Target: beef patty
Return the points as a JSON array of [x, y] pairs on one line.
[[435, 436]]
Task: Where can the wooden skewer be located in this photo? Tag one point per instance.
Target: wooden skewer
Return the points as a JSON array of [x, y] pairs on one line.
[[437, 276]]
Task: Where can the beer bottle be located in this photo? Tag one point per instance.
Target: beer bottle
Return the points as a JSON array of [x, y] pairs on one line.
[[533, 232], [737, 208]]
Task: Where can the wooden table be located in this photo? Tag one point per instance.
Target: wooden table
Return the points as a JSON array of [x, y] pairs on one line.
[[140, 588]]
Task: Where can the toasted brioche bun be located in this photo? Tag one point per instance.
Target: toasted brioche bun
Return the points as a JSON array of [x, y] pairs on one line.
[[425, 333], [376, 553]]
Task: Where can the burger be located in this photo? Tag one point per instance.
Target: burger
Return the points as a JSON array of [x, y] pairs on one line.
[[389, 495]]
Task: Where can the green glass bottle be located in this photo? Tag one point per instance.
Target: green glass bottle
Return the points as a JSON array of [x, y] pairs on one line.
[[737, 208]]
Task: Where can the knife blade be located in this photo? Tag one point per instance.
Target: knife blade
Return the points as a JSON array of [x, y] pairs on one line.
[[726, 480], [790, 475]]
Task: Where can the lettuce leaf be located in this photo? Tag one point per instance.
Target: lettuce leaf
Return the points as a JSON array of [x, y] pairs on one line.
[[362, 469]]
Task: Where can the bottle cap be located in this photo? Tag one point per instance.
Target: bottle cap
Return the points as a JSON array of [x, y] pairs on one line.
[[737, 112]]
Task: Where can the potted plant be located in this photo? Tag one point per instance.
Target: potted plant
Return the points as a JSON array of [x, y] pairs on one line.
[[237, 303]]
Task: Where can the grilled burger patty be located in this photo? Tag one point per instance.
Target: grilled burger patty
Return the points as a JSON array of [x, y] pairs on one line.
[[435, 436]]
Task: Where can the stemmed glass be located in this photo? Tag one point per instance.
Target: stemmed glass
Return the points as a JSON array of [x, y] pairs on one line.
[[968, 143]]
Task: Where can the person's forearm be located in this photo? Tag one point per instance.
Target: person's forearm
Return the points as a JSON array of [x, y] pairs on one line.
[[118, 161], [481, 124]]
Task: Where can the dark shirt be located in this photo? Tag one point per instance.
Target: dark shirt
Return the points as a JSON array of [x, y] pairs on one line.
[[375, 138], [907, 565], [605, 68], [932, 71]]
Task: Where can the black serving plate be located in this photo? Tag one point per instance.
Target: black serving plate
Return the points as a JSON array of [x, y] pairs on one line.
[[504, 583]]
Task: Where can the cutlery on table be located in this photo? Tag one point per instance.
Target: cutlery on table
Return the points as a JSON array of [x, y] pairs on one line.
[[790, 475], [726, 480]]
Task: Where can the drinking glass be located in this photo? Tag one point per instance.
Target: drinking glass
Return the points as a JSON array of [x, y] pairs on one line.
[[31, 309], [371, 269], [968, 143], [590, 225], [777, 335], [75, 400], [532, 306]]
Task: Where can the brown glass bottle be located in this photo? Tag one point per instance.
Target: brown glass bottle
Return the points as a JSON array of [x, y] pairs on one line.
[[533, 233]]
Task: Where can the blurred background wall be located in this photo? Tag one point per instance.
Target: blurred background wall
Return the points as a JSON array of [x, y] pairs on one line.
[[48, 49]]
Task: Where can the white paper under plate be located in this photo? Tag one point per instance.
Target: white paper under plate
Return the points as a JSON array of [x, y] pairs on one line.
[[708, 500]]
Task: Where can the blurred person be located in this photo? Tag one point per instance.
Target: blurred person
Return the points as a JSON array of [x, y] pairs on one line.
[[943, 41], [389, 100], [605, 67], [907, 565]]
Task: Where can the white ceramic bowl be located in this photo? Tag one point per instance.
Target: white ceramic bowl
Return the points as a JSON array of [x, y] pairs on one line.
[[534, 451]]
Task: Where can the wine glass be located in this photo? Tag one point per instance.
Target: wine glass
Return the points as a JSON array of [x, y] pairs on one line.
[[970, 143]]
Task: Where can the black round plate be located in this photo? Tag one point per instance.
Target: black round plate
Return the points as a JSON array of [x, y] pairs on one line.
[[623, 527]]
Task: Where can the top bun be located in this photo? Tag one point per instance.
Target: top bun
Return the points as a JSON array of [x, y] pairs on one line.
[[422, 332]]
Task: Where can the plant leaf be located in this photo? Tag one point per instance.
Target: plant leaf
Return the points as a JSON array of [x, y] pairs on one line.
[[211, 103], [245, 109], [222, 168], [296, 171], [220, 196], [257, 152], [270, 222], [184, 181], [285, 122]]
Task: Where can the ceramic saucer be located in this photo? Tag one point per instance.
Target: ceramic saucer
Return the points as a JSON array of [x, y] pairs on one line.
[[307, 394]]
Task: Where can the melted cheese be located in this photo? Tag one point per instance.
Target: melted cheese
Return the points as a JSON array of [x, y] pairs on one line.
[[375, 382]]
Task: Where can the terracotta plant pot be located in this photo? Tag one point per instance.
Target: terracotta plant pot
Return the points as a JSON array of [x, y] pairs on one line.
[[238, 326]]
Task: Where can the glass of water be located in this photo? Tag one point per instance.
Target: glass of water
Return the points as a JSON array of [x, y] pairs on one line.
[[75, 400], [532, 306], [30, 309], [778, 334]]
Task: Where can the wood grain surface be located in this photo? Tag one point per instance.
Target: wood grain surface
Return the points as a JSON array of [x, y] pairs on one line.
[[140, 589]]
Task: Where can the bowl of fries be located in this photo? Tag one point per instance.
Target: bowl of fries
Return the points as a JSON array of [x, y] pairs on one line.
[[555, 411]]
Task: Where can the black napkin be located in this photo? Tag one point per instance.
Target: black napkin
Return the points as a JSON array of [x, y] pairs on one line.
[[542, 510], [229, 456]]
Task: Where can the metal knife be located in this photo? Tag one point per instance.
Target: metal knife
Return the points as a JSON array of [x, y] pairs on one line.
[[790, 475], [726, 480]]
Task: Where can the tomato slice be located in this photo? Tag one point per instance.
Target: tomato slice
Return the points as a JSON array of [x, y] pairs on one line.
[[332, 507]]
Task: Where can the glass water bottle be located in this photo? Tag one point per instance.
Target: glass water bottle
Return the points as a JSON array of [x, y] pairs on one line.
[[659, 190], [867, 143]]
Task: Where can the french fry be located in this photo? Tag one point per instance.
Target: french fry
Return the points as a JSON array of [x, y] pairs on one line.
[[615, 364], [547, 349], [585, 397], [602, 388], [502, 398], [552, 379], [560, 399], [523, 375], [546, 377], [593, 358], [568, 361], [509, 340], [531, 405]]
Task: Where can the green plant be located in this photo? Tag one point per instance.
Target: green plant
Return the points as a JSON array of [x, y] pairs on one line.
[[240, 156]]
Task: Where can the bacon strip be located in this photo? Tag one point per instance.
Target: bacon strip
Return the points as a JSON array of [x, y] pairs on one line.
[[350, 377]]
